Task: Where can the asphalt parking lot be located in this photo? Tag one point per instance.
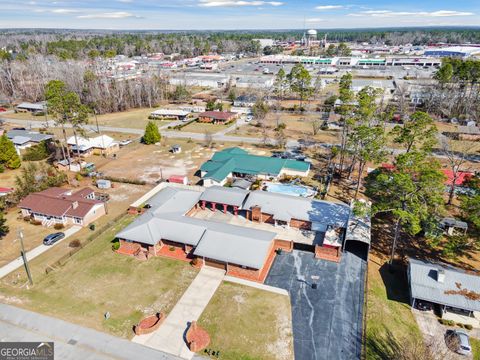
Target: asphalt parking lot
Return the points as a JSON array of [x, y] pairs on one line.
[[327, 321]]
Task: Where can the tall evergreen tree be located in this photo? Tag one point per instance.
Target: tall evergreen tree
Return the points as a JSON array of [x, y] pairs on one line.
[[8, 154], [152, 135]]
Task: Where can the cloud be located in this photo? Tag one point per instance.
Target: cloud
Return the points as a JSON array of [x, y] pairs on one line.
[[237, 3], [388, 13], [125, 1], [109, 15], [314, 20], [64, 11], [329, 7]]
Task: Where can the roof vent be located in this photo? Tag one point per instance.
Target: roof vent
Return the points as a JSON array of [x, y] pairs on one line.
[[441, 275], [75, 204]]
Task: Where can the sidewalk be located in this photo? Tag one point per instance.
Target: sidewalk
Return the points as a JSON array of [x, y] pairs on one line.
[[72, 342], [32, 254], [170, 336]]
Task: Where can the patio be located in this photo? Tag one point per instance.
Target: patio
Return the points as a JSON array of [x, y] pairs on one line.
[[283, 232]]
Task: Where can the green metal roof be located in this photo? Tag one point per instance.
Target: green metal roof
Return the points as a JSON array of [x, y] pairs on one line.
[[238, 160]]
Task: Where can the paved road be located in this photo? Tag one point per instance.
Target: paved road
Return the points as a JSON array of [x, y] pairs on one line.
[[71, 342], [170, 336], [32, 254], [221, 136], [327, 321]]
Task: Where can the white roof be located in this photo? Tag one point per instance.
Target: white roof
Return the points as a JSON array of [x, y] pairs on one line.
[[100, 142], [170, 112]]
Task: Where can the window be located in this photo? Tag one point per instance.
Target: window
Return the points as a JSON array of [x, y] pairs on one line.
[[77, 220]]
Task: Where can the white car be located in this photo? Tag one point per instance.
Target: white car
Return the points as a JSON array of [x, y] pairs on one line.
[[125, 142], [249, 118]]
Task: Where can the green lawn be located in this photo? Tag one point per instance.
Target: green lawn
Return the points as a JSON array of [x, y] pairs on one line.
[[390, 322], [97, 280], [246, 324], [475, 343]]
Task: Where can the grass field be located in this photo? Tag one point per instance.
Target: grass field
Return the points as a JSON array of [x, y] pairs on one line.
[[136, 119], [96, 280], [475, 343], [247, 323], [389, 318]]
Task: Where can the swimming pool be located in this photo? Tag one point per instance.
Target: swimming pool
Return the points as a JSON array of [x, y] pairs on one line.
[[290, 189]]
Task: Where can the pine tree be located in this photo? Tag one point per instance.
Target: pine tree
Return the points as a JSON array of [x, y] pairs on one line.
[[152, 135], [3, 222], [8, 154]]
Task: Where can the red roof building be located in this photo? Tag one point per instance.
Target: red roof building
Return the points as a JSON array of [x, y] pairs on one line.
[[216, 117], [4, 191], [62, 206], [462, 177], [178, 179]]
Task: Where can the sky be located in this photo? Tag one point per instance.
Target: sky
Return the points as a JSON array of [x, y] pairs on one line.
[[235, 14]]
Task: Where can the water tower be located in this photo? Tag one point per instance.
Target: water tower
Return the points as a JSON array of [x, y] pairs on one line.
[[311, 37]]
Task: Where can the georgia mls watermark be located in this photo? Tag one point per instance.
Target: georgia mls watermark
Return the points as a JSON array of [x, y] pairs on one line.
[[26, 351]]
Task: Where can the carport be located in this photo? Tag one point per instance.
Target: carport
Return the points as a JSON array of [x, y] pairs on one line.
[[357, 236]]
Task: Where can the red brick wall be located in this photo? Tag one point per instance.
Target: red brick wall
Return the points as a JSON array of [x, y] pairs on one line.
[[215, 264], [284, 245], [205, 119], [301, 224], [253, 274], [327, 253]]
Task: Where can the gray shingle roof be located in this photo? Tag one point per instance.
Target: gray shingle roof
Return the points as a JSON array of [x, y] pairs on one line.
[[17, 136], [223, 195], [286, 207], [424, 285]]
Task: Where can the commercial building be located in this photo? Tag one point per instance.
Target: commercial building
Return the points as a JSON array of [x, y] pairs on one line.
[[453, 51], [63, 206], [39, 107], [180, 222], [234, 163]]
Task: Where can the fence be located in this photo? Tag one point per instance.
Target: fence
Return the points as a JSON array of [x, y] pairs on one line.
[[64, 259]]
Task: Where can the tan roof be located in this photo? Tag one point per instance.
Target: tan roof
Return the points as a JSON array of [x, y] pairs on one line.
[[218, 115]]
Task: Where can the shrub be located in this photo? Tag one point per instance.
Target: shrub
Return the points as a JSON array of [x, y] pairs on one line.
[[78, 177], [75, 243], [58, 226], [35, 222], [460, 325], [171, 248], [37, 152], [92, 227], [116, 245], [27, 218], [468, 326], [194, 262]]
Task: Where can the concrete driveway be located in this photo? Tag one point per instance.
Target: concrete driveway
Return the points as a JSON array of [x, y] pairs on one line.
[[169, 337], [434, 336], [32, 254], [327, 321]]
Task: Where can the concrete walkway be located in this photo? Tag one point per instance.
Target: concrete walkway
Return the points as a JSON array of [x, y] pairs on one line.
[[32, 254], [170, 336], [256, 285], [72, 342]]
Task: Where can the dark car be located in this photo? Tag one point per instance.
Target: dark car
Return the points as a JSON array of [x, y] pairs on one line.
[[424, 305], [53, 238], [19, 128]]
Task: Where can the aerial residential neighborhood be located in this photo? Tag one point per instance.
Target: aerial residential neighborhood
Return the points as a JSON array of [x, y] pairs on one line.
[[239, 180]]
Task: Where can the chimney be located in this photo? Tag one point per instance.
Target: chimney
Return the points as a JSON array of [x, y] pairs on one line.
[[75, 204], [441, 275]]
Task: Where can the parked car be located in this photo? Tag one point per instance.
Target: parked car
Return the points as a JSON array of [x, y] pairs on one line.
[[53, 238], [424, 305], [125, 142], [2, 109], [458, 341], [19, 128]]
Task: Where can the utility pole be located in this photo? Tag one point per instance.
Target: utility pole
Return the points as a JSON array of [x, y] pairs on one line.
[[24, 256]]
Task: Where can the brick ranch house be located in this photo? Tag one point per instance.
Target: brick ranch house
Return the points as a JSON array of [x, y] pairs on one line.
[[62, 206], [217, 117], [168, 228]]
